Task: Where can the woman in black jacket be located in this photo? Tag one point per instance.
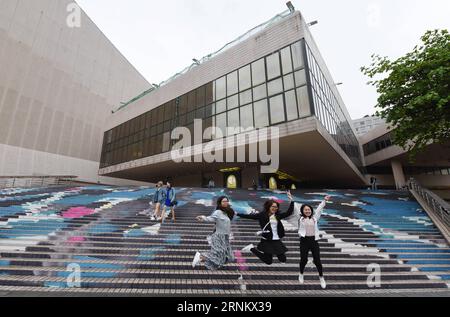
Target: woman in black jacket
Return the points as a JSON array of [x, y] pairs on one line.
[[272, 231]]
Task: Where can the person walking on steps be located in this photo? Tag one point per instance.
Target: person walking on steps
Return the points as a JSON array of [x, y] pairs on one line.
[[170, 202], [307, 221], [158, 199], [272, 231], [220, 252]]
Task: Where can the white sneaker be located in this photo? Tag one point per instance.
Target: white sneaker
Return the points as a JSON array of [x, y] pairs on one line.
[[301, 278], [197, 259], [323, 284], [248, 248], [152, 218]]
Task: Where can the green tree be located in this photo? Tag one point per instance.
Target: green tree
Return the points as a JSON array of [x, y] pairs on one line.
[[414, 92]]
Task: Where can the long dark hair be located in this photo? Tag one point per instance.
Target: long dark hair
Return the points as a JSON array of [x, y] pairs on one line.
[[228, 211], [303, 208], [268, 204]]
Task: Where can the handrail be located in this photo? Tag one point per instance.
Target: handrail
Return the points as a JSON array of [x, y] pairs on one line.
[[439, 207], [34, 181]]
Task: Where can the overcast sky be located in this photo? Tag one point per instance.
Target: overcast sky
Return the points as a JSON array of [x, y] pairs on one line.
[[160, 38]]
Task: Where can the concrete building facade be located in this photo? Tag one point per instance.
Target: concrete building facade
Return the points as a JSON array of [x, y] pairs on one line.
[[60, 79], [275, 78], [366, 124]]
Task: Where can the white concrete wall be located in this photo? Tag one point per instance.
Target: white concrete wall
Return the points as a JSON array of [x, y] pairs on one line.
[[58, 86]]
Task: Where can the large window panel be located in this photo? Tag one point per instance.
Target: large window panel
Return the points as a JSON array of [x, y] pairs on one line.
[[233, 102], [259, 92], [209, 93], [233, 119], [297, 56], [286, 60], [221, 122], [245, 79], [275, 86], [200, 97], [247, 116], [291, 105], [261, 114], [277, 110], [221, 88], [232, 83], [258, 72], [273, 66], [288, 81], [304, 109], [192, 100], [221, 106], [300, 78], [245, 97]]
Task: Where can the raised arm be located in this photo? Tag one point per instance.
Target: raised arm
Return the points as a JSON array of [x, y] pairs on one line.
[[288, 213], [211, 218], [252, 216], [320, 208]]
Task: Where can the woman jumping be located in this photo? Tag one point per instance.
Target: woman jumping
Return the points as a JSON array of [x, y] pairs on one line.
[[220, 253], [308, 230], [272, 231]]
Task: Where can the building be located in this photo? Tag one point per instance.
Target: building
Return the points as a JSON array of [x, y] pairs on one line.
[[366, 124], [59, 81], [274, 78], [391, 165]]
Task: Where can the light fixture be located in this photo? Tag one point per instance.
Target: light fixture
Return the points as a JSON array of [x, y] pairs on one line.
[[338, 84], [290, 6], [196, 61], [312, 23]]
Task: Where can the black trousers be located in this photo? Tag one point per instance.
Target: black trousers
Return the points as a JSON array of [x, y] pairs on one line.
[[310, 244], [267, 257]]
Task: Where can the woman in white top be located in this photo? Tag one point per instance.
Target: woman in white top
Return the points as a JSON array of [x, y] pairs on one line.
[[308, 230]]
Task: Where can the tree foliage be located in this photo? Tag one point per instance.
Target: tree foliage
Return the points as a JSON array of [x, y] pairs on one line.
[[414, 92]]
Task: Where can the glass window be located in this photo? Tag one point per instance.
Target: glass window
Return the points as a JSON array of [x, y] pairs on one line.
[[200, 113], [245, 80], [286, 60], [183, 101], [273, 66], [288, 81], [221, 106], [209, 93], [260, 92], [300, 78], [245, 97], [200, 97], [291, 105], [232, 83], [275, 86], [303, 102], [297, 56], [247, 116], [192, 99], [221, 122], [261, 114], [277, 109], [258, 72], [233, 119], [221, 90], [233, 102], [209, 110]]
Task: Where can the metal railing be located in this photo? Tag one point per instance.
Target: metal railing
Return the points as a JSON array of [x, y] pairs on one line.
[[439, 207], [34, 181]]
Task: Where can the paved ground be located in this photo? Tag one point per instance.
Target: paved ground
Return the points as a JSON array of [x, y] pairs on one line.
[[47, 233]]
